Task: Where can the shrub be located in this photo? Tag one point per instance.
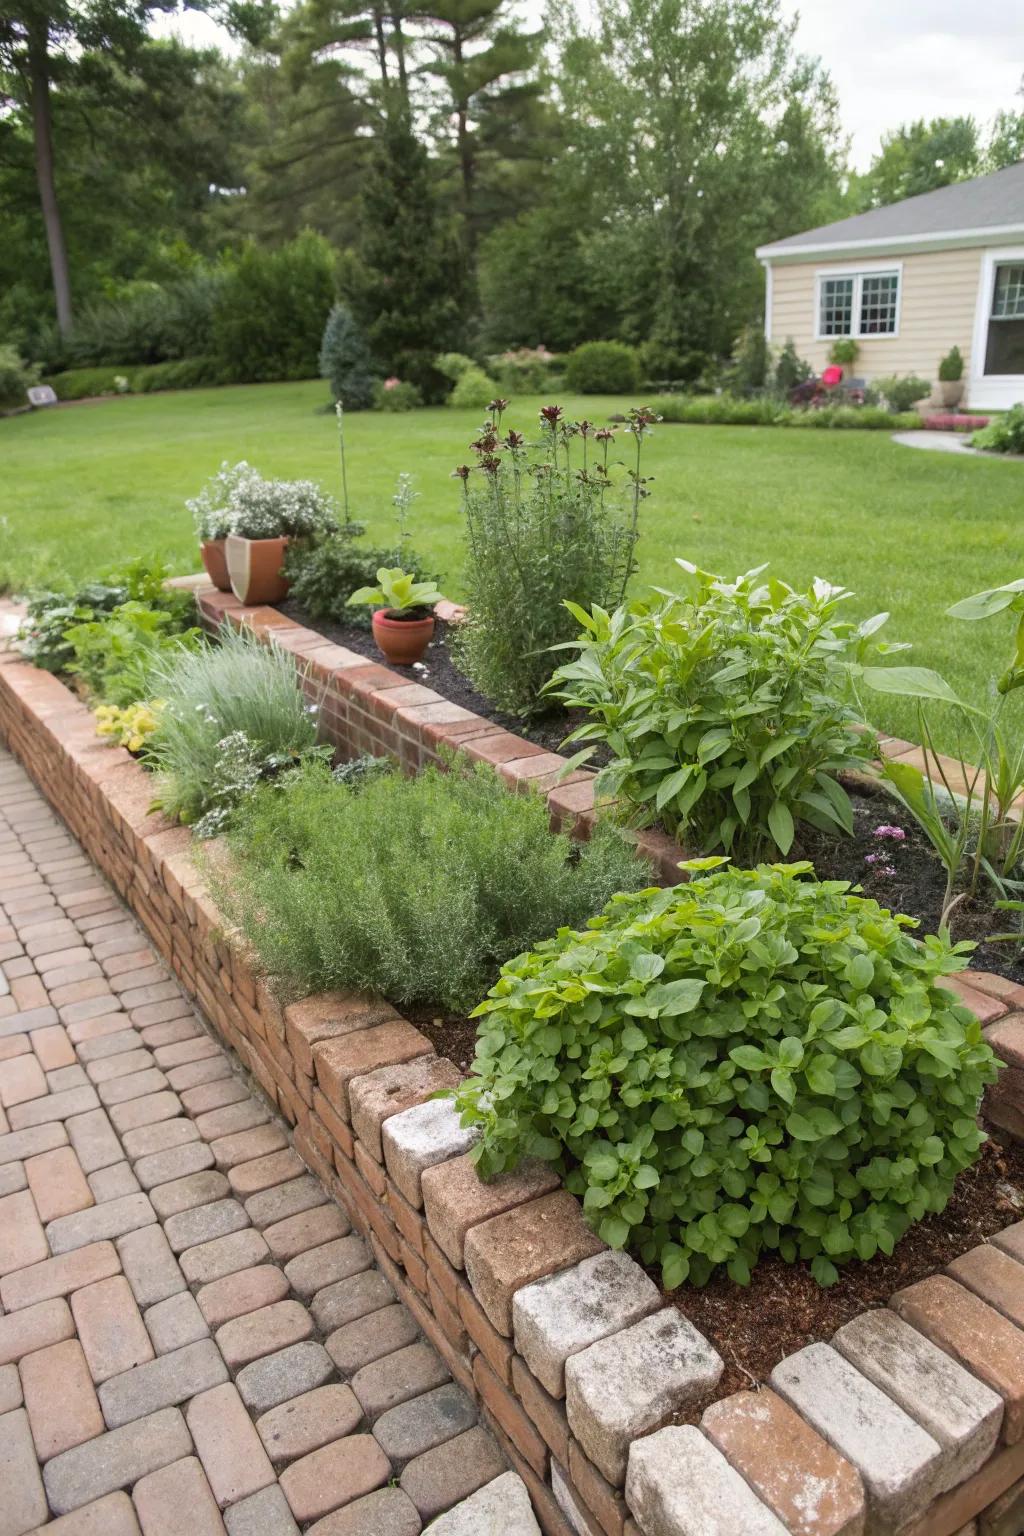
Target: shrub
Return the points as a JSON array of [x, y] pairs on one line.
[[861, 418], [186, 373], [602, 368], [790, 368], [345, 360], [16, 377], [523, 370], [951, 367], [727, 713], [751, 1061], [751, 360], [902, 394], [1005, 434], [272, 309], [239, 500], [721, 410], [232, 713], [51, 614], [473, 391], [665, 363], [536, 534], [114, 655], [417, 890], [396, 395], [148, 324], [844, 351], [323, 574]]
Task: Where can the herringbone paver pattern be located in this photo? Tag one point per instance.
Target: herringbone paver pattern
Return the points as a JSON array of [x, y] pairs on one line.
[[191, 1335]]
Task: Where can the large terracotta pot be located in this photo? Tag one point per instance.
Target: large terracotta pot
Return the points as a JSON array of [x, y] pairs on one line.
[[216, 564], [402, 640], [255, 568], [951, 392]]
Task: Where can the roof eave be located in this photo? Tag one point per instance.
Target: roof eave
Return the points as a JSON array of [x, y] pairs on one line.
[[892, 245]]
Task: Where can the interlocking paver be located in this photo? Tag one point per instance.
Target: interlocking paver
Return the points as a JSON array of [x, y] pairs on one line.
[[137, 1167]]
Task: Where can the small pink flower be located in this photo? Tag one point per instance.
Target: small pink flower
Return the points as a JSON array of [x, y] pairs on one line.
[[392, 383], [897, 834]]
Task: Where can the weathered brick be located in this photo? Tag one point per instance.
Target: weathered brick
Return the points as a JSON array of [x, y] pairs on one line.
[[173, 1323], [53, 1048], [680, 1483], [333, 1476], [419, 1138], [525, 1244], [309, 1229], [984, 1342], [956, 1409], [195, 1048], [346, 1300], [113, 1515], [107, 1067], [148, 1140], [387, 1512], [188, 1194], [60, 1276], [21, 1078], [207, 1096], [900, 1464], [369, 1338], [161, 1383], [339, 1061], [111, 1219], [811, 1488], [546, 1413], [34, 1327], [397, 1377], [173, 1163], [455, 1198], [60, 1398], [223, 1256], [240, 1293], [427, 1421], [263, 1514], [450, 1472], [152, 1270], [995, 1276], [227, 1444], [161, 1497], [503, 1504], [18, 1145], [204, 1223], [198, 1073], [306, 1423], [315, 1268], [244, 1146], [115, 1460], [10, 1388], [329, 1016], [53, 1106], [113, 1183], [263, 1332], [229, 1119], [562, 1314], [264, 1173], [110, 1327], [57, 1183], [22, 1239], [148, 1110], [276, 1378], [626, 1385], [270, 1206], [24, 1503]]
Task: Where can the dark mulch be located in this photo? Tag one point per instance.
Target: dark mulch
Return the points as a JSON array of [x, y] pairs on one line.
[[437, 670], [449, 1034], [783, 1308]]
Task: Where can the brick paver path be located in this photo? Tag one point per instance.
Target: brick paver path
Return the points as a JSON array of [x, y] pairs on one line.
[[191, 1336]]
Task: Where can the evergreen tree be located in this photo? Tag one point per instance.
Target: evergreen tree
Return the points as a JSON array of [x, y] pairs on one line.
[[345, 360], [409, 284]]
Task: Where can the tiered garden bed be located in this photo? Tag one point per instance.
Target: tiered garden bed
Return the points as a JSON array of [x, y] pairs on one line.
[[457, 1252]]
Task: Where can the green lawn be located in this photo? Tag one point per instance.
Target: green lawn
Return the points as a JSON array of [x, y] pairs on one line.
[[83, 486]]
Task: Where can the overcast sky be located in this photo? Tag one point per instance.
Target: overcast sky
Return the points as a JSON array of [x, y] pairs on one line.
[[891, 60]]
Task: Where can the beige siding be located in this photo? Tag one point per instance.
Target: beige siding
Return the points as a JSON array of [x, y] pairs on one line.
[[937, 306]]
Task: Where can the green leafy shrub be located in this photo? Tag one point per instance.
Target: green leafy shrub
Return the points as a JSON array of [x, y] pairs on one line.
[[473, 389], [728, 713], [149, 324], [325, 572], [844, 351], [415, 889], [902, 393], [538, 532], [237, 689], [114, 655], [663, 362], [271, 312], [767, 411], [524, 370], [951, 367], [1005, 434], [790, 368], [345, 360], [602, 368], [16, 376], [396, 395], [751, 1061], [748, 369], [185, 373], [52, 613]]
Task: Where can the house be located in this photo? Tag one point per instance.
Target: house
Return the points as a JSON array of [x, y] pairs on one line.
[[910, 281]]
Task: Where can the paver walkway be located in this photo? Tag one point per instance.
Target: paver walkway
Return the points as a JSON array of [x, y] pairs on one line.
[[191, 1336]]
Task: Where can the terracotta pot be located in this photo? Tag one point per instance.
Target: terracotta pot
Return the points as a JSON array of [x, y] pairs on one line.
[[402, 640], [951, 391], [216, 564], [254, 566]]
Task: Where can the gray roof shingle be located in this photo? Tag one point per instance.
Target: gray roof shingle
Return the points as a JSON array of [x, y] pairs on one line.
[[985, 202]]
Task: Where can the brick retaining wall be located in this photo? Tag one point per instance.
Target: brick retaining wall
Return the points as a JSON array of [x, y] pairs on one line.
[[576, 1373]]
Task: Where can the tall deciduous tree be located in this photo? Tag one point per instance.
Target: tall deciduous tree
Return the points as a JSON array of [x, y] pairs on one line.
[[919, 157]]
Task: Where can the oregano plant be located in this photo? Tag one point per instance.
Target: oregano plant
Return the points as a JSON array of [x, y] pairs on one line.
[[749, 1061]]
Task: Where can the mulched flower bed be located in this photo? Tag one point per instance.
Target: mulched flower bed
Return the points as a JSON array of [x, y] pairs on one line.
[[783, 1308], [437, 670]]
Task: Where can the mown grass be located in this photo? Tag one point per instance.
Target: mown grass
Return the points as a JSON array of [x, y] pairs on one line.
[[82, 486]]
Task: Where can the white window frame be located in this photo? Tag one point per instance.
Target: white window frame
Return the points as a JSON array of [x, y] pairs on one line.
[[992, 391], [858, 273]]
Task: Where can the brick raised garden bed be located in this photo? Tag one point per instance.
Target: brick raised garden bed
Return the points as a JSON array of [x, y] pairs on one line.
[[578, 1375]]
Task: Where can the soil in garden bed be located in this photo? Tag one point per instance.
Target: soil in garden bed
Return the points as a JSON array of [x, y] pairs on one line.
[[437, 670], [783, 1308], [450, 1034], [905, 875]]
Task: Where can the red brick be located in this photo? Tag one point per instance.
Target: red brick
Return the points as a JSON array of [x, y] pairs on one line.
[[53, 1048], [456, 1199], [329, 1016], [22, 1240], [57, 1183], [246, 1146], [60, 1276], [597, 1494], [976, 1335], [245, 1291], [1006, 1037], [62, 1406], [110, 1327], [522, 1245], [334, 1476], [451, 1472], [33, 1328], [309, 1229], [387, 1091], [227, 1443], [21, 1079], [265, 1172], [307, 1423], [162, 1497], [1009, 992], [983, 1006], [545, 1412], [263, 1332], [813, 1490], [510, 1416], [995, 1277]]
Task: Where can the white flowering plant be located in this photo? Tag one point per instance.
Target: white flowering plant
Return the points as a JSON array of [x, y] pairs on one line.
[[239, 500]]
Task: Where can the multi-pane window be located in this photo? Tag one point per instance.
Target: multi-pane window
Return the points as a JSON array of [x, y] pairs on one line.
[[836, 306], [1008, 298], [858, 304], [879, 292]]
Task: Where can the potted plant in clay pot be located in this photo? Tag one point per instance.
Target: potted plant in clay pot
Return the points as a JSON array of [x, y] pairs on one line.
[[211, 516], [259, 518], [403, 623], [951, 378]]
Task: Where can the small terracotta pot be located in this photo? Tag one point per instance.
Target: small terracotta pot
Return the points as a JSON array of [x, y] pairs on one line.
[[402, 640], [255, 568], [216, 564]]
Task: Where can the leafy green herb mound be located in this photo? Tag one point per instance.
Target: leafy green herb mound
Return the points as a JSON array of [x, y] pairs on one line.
[[751, 1061]]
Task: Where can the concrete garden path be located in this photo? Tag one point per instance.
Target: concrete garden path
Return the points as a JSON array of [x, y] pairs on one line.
[[191, 1336]]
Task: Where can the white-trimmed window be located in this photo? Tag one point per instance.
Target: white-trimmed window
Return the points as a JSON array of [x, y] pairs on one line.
[[1004, 352], [858, 303]]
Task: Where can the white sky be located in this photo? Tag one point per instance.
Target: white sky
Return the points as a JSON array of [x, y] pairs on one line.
[[891, 60]]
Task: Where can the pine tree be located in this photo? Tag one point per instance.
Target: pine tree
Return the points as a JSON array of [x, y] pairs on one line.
[[345, 360]]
